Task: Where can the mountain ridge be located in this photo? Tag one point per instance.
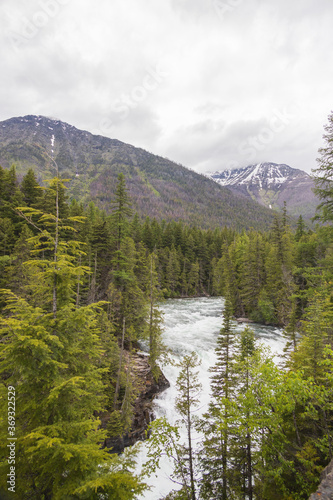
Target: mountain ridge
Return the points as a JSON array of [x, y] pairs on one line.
[[272, 184], [158, 187]]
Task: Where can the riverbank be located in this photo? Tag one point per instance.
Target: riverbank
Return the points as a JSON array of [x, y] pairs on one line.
[[147, 389]]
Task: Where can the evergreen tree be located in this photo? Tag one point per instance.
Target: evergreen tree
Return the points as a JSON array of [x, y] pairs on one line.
[[172, 271], [317, 332], [194, 278], [165, 439], [280, 284], [156, 347], [231, 278], [243, 441], [7, 236], [30, 188], [324, 176], [121, 211], [55, 199], [188, 398], [300, 231], [17, 274], [252, 274], [9, 184], [100, 257], [219, 420]]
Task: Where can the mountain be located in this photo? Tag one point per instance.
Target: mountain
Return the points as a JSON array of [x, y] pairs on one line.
[[158, 187], [271, 184]]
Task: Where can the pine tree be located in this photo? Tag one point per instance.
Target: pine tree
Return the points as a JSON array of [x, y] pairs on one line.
[[54, 200], [189, 388], [172, 271], [165, 438], [9, 184], [156, 346], [316, 335], [121, 211], [222, 378], [30, 188], [280, 284], [290, 332], [7, 236], [194, 278], [252, 274], [300, 231], [231, 263], [218, 421], [183, 278], [17, 274], [243, 442], [324, 176]]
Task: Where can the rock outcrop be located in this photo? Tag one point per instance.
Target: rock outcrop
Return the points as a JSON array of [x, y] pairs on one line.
[[325, 489], [244, 320], [147, 388]]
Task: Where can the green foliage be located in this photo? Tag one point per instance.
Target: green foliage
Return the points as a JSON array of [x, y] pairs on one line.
[[156, 347], [54, 367], [324, 176], [218, 422], [165, 439], [53, 352], [265, 311], [30, 188]]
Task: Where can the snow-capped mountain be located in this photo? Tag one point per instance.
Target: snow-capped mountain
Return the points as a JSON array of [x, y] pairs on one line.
[[272, 184]]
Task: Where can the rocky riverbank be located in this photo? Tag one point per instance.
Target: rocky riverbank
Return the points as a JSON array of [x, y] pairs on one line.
[[147, 388], [325, 489]]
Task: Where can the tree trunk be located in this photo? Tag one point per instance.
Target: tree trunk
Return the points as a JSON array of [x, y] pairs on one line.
[[78, 289], [189, 436], [151, 340], [56, 239], [119, 368]]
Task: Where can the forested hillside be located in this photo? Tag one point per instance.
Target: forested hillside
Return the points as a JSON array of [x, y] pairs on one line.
[[158, 187]]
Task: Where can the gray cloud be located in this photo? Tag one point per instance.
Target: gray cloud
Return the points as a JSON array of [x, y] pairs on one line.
[[202, 82]]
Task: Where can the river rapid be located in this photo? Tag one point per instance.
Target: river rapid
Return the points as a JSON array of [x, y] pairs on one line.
[[193, 325]]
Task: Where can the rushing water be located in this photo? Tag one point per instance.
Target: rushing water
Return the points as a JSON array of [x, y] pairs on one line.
[[193, 325]]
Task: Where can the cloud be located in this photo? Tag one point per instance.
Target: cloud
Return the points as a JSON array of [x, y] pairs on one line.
[[188, 79]]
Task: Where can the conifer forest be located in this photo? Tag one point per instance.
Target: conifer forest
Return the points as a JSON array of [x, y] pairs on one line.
[[81, 290]]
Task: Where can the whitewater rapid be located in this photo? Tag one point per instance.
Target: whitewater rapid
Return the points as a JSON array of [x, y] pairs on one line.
[[193, 325]]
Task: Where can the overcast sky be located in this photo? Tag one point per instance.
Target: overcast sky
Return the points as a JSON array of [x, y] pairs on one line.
[[211, 84]]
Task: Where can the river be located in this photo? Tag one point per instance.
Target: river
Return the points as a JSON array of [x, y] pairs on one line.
[[193, 325]]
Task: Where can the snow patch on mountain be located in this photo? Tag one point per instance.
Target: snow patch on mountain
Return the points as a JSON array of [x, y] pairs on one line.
[[52, 142], [262, 175], [272, 185]]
